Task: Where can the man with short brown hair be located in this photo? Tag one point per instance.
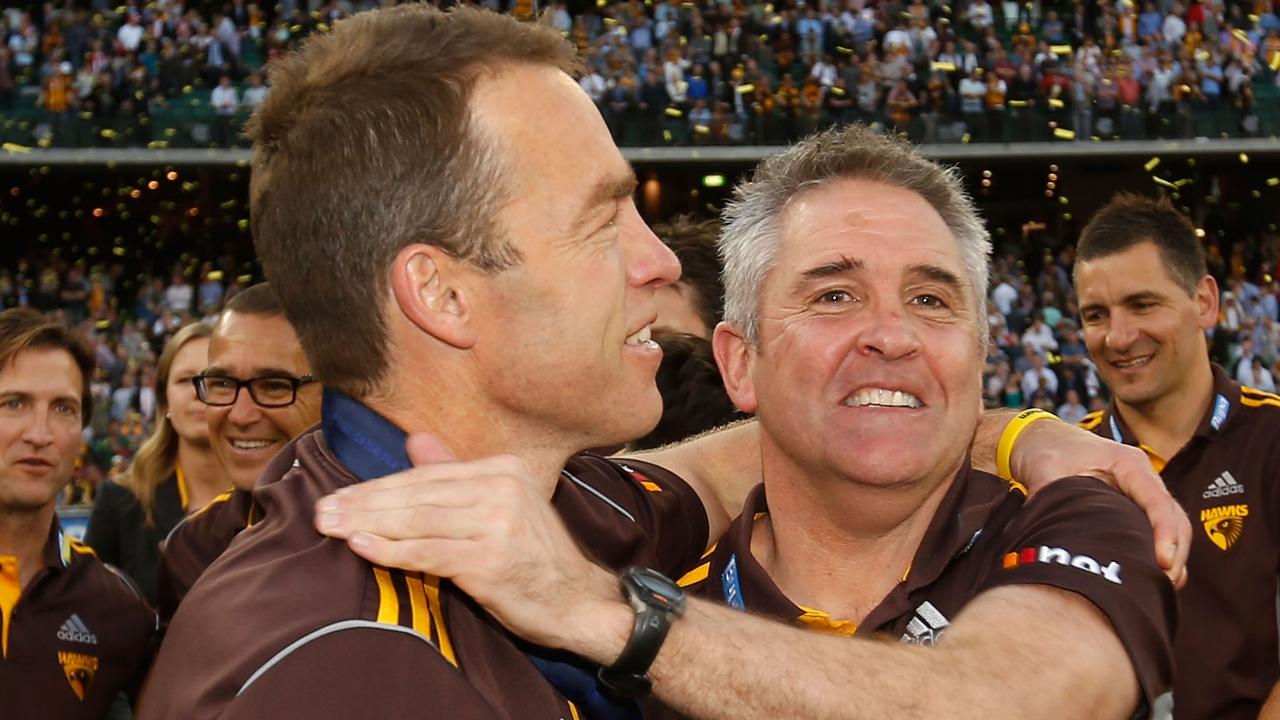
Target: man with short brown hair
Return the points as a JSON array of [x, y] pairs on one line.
[[74, 633], [260, 395], [1146, 300]]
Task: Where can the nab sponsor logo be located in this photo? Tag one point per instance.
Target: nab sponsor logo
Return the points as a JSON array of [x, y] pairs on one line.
[[1058, 556], [1224, 524], [1223, 486]]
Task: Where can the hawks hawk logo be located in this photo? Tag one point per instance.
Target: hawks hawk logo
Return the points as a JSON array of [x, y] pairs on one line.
[[1224, 524], [79, 669]]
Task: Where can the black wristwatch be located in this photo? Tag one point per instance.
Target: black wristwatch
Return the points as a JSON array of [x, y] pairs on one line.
[[658, 602]]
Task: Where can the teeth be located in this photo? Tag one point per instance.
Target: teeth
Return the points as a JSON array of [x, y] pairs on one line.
[[883, 398], [250, 444], [1133, 363], [640, 338]]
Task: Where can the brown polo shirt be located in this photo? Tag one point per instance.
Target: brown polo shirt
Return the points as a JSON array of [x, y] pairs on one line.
[[289, 623], [1227, 478], [1076, 535], [197, 541], [76, 637]]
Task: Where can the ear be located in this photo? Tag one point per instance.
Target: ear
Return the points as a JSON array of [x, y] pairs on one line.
[[734, 356], [1207, 302], [427, 285]]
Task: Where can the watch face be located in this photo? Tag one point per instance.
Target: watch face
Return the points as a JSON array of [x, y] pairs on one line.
[[661, 591]]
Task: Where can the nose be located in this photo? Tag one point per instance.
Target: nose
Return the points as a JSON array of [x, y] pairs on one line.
[[244, 411], [1121, 332], [649, 261], [37, 432], [888, 333]]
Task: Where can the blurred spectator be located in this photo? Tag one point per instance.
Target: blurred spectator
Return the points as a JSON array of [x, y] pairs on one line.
[[1255, 375], [693, 305], [693, 395], [173, 472], [1071, 410]]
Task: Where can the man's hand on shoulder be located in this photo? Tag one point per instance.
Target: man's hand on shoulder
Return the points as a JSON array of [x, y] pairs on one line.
[[1047, 451], [486, 525]]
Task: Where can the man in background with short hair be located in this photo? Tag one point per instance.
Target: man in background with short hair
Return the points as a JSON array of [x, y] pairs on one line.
[[1146, 301], [74, 633], [261, 395]]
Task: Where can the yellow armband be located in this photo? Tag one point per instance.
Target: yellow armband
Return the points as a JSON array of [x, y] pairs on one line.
[[1004, 449]]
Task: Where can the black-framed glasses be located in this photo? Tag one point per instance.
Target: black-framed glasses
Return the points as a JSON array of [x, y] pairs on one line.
[[271, 391]]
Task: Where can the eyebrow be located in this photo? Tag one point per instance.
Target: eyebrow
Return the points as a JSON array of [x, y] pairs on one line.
[[216, 371], [29, 397], [607, 190], [937, 274], [842, 266], [1126, 300]]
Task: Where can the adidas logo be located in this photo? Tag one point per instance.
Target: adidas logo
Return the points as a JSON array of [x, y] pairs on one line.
[[1223, 486], [74, 630], [926, 627]]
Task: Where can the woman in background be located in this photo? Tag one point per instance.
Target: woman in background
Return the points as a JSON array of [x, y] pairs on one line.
[[174, 472]]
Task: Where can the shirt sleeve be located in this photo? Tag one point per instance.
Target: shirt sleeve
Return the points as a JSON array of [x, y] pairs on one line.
[[632, 513], [1081, 536]]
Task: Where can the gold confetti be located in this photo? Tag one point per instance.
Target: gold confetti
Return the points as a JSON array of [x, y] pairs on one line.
[[1056, 104], [702, 129], [1273, 181], [966, 138], [1244, 159], [837, 91], [1241, 35], [1183, 181], [1164, 183], [1064, 200], [108, 134], [844, 50], [1064, 134], [243, 224], [746, 89], [1253, 18], [674, 112], [1060, 49], [1018, 103], [1203, 55], [244, 279], [15, 148], [666, 135], [1152, 164], [944, 66]]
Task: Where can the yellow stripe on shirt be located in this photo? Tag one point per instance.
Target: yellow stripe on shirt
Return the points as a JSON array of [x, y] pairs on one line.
[[432, 586], [388, 603]]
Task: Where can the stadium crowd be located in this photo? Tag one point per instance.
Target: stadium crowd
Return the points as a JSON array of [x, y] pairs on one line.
[[704, 72]]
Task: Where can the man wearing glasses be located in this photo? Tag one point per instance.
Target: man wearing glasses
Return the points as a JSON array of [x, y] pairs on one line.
[[260, 395]]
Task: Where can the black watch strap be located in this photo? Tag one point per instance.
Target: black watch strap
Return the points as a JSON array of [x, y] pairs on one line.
[[658, 602]]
